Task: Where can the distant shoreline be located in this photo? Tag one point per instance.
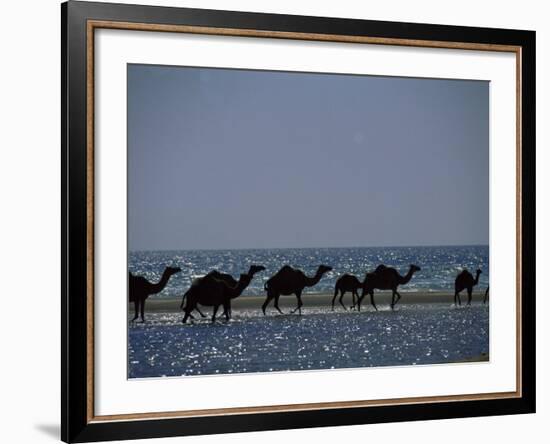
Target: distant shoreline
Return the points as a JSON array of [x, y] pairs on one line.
[[382, 299]]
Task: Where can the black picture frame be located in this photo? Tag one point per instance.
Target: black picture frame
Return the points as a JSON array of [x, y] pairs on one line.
[[76, 423]]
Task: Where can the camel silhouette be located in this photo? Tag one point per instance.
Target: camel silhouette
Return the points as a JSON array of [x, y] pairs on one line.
[[139, 289], [465, 280], [385, 278], [345, 283], [228, 279], [289, 281], [486, 297], [213, 291]]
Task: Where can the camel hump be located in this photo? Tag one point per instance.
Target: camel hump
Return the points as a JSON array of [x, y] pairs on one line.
[[286, 270], [284, 273], [380, 268], [348, 277], [342, 279], [197, 280], [216, 274]]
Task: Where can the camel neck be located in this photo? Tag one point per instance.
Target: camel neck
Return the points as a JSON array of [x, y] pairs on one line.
[[311, 281], [241, 285], [405, 279], [476, 279], [159, 286]]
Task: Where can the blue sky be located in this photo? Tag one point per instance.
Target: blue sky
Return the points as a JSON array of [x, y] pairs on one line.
[[222, 158]]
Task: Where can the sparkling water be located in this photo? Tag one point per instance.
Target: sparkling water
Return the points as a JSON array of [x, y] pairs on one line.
[[411, 335], [440, 265]]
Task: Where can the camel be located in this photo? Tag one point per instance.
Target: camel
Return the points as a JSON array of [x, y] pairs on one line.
[[465, 280], [228, 279], [486, 297], [289, 281], [216, 289], [139, 289], [345, 283], [385, 278]]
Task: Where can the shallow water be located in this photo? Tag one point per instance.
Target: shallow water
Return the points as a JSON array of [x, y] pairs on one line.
[[320, 339]]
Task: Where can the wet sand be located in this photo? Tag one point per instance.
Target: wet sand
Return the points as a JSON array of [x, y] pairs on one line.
[[382, 299]]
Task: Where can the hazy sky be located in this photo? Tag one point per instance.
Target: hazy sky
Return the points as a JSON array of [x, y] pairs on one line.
[[253, 159]]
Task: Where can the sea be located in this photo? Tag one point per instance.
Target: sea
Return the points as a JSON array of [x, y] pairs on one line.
[[422, 334], [320, 339], [439, 265]]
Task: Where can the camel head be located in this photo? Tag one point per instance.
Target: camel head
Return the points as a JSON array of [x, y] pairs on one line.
[[255, 269], [415, 268], [478, 272], [172, 270], [323, 269]]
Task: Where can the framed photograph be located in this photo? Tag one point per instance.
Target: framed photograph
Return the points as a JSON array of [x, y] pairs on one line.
[[275, 221]]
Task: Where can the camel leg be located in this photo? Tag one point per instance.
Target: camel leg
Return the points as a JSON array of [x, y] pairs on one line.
[[190, 315], [264, 305], [372, 300], [486, 295], [357, 304], [187, 313], [276, 304], [300, 303], [398, 297], [142, 311], [200, 312], [136, 308], [226, 310], [354, 297], [457, 298], [214, 313], [268, 299], [359, 300], [340, 300], [392, 305], [334, 297], [469, 296]]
